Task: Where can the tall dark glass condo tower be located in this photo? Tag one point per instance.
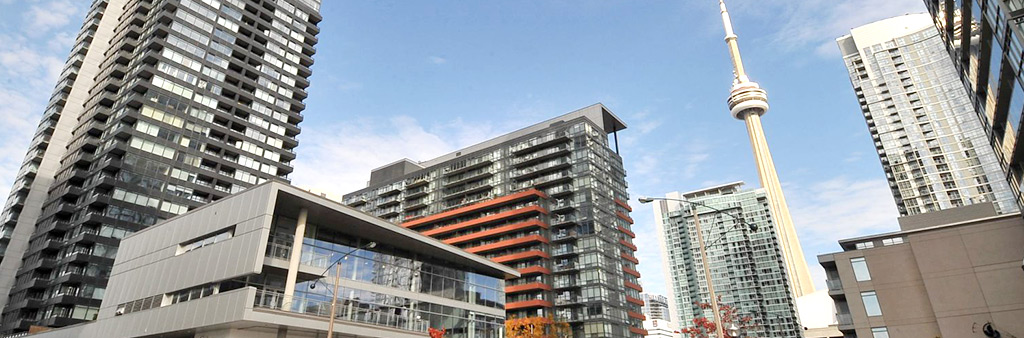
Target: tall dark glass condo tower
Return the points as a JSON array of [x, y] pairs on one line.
[[163, 106]]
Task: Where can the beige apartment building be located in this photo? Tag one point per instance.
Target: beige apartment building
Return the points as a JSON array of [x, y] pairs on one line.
[[948, 273]]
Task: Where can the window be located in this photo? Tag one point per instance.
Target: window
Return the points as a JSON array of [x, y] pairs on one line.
[[892, 241], [206, 240], [879, 332], [860, 269], [865, 245], [871, 303]]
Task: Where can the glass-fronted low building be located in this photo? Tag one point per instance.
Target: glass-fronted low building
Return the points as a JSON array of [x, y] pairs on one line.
[[745, 258], [230, 269]]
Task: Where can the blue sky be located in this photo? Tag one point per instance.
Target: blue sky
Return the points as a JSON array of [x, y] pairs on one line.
[[418, 79]]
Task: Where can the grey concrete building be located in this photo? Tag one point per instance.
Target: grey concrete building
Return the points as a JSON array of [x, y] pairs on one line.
[[929, 136], [548, 200], [163, 106], [747, 265], [656, 307], [944, 274], [231, 269]]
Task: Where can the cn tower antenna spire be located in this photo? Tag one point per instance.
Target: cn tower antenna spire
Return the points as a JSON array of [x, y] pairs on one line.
[[748, 102], [734, 47]]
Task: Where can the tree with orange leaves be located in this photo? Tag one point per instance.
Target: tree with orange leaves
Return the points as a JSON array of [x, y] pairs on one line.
[[704, 327], [536, 327]]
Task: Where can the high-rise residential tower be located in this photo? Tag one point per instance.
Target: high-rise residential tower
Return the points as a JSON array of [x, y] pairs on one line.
[[930, 139], [163, 106], [656, 307], [747, 265], [548, 200], [984, 39], [747, 102]]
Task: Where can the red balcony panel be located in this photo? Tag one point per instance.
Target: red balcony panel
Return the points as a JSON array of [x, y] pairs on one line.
[[526, 304], [629, 258], [534, 269], [627, 232], [624, 216], [508, 243], [527, 287], [639, 316], [496, 231], [473, 207], [636, 301], [627, 244], [633, 286], [485, 220], [623, 204], [520, 256], [638, 331], [631, 272]]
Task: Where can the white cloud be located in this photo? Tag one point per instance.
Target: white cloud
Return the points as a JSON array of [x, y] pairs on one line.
[[337, 158], [839, 208], [437, 60], [815, 24], [30, 61], [43, 18]]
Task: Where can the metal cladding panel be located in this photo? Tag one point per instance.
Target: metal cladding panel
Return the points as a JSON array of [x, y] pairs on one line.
[[148, 263]]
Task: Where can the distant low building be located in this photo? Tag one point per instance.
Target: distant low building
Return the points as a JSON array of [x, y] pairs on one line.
[[658, 328], [231, 269], [947, 273]]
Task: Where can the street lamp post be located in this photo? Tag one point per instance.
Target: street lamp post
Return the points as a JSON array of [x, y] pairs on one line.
[[337, 281], [704, 256]]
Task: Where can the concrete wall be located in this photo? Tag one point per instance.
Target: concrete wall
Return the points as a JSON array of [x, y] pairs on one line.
[[943, 282]]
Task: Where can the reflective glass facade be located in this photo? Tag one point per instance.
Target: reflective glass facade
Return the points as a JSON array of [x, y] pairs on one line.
[[984, 39], [163, 106], [746, 265], [384, 266], [930, 137]]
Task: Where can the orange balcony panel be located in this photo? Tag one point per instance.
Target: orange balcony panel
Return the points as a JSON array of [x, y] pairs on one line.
[[534, 269], [636, 301], [629, 258], [520, 256], [485, 220], [507, 243], [627, 244], [638, 331], [527, 287], [473, 207], [526, 304], [631, 272], [624, 216], [496, 231], [639, 316], [627, 232], [633, 286], [623, 204]]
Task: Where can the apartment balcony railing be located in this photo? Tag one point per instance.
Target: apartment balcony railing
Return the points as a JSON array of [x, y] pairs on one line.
[[844, 319], [834, 285]]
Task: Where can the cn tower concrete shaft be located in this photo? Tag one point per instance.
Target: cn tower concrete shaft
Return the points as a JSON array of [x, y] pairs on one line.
[[747, 102]]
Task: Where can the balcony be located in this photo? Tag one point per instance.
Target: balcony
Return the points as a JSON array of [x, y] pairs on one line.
[[356, 313], [534, 143], [540, 155], [844, 319]]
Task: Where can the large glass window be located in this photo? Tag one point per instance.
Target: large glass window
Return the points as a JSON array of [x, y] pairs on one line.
[[860, 269], [871, 303], [879, 332], [1016, 107]]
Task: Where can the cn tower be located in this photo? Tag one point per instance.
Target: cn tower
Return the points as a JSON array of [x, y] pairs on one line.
[[747, 102]]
